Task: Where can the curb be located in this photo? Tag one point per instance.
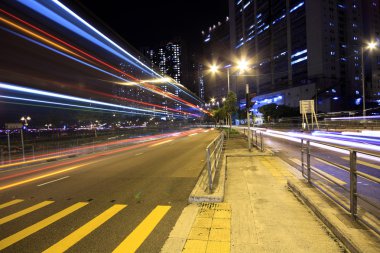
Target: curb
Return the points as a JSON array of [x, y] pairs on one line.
[[200, 192], [361, 240]]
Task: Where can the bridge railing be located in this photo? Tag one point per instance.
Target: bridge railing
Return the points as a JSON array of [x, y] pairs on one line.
[[213, 153], [365, 210]]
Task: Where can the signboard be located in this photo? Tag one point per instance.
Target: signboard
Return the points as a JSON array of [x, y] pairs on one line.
[[9, 126], [306, 106]]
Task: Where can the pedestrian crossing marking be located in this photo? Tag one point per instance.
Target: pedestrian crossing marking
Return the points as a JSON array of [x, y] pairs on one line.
[[12, 202], [86, 229], [39, 225], [133, 241], [25, 211]]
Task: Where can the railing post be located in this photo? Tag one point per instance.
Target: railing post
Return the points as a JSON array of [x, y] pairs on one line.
[[302, 159], [353, 184], [308, 161], [256, 138], [209, 170], [261, 142]]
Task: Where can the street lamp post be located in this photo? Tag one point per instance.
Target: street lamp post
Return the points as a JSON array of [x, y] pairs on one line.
[[24, 120], [370, 46], [242, 65]]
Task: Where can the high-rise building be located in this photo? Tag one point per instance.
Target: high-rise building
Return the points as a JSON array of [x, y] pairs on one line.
[[308, 49], [168, 59], [215, 51]]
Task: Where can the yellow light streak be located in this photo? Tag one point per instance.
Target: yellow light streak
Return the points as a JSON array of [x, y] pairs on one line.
[[44, 176], [29, 161]]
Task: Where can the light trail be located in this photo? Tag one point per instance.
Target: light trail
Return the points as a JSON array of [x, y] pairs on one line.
[[120, 48], [148, 141], [27, 162], [150, 87], [11, 87], [97, 92], [345, 136], [91, 108]]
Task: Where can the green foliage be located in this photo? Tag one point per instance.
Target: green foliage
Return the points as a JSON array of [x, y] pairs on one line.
[[274, 111], [219, 114], [230, 103]]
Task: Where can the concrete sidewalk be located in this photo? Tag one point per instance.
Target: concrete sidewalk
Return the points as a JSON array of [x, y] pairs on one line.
[[259, 213], [266, 216]]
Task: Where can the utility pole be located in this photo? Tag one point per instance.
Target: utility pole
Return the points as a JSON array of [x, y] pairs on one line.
[[248, 118]]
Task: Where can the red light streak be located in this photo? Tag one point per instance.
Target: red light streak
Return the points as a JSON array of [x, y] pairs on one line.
[[151, 87], [170, 135]]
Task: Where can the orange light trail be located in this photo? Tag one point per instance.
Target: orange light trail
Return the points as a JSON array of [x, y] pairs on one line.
[[173, 135], [149, 86]]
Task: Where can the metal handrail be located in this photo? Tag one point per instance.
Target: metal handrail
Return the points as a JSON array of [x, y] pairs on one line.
[[256, 138], [306, 172], [213, 157]]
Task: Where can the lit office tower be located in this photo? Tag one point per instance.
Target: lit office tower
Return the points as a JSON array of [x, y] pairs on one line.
[[168, 59], [307, 49]]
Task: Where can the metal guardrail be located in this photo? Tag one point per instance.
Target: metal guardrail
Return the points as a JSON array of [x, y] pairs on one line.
[[256, 138], [353, 172], [213, 153]]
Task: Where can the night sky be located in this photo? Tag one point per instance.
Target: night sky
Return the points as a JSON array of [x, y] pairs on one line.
[[147, 23]]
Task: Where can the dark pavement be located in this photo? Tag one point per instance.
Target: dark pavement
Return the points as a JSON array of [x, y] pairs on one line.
[[160, 175]]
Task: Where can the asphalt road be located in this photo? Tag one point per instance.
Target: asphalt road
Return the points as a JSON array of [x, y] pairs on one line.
[[144, 188]]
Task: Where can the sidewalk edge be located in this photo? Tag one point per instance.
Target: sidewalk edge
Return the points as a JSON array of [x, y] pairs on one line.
[[343, 236]]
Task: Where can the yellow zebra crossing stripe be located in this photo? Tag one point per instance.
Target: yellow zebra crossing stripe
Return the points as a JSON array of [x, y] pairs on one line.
[[83, 231], [25, 211], [39, 225], [142, 231], [12, 202]]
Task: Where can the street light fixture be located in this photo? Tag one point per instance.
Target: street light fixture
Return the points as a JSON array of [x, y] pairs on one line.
[[24, 120], [243, 65], [215, 68], [370, 46]]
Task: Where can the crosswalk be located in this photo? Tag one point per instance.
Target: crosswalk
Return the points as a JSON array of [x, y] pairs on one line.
[[130, 243]]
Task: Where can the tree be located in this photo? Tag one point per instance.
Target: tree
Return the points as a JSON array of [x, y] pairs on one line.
[[230, 106], [275, 111], [219, 114]]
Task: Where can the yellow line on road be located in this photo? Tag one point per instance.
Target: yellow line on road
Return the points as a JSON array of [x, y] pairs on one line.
[[39, 225], [25, 211], [43, 176], [331, 177], [83, 231], [162, 142], [142, 231], [364, 163], [12, 202]]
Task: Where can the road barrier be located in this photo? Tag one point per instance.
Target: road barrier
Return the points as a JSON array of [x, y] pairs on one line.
[[307, 169], [256, 138], [213, 153]]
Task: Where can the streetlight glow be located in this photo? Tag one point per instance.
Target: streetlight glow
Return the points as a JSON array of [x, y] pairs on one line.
[[243, 65], [214, 68], [371, 45]]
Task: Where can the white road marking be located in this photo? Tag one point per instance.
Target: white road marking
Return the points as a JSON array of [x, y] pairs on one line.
[[192, 134], [53, 181], [138, 154]]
